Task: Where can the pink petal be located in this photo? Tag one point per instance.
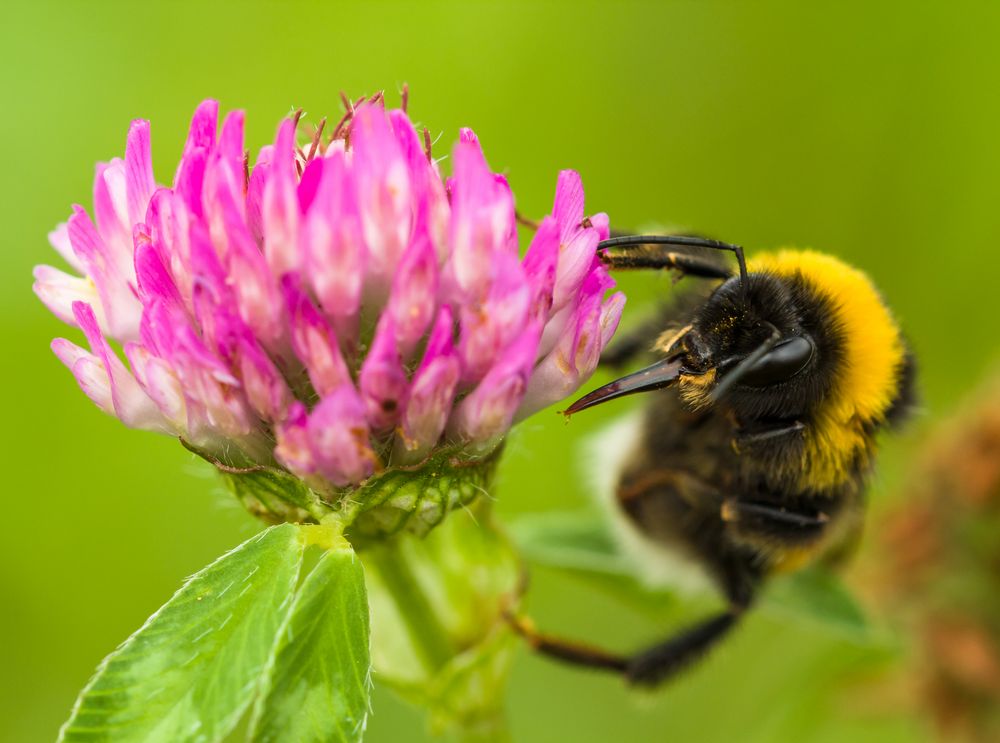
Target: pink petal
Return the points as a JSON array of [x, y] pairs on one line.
[[190, 180], [578, 238], [130, 403], [58, 291], [88, 371], [258, 295], [231, 138], [204, 122], [111, 209], [575, 261], [611, 315], [568, 206], [334, 249], [225, 179], [120, 308], [154, 281], [215, 403], [486, 413], [309, 183], [540, 267], [190, 173], [383, 380], [59, 239], [602, 224], [383, 188], [294, 449], [432, 202], [215, 305], [255, 193], [314, 341], [169, 223], [577, 352], [139, 181], [488, 328], [158, 380], [432, 391], [413, 299], [281, 206], [338, 437], [264, 385], [482, 221]]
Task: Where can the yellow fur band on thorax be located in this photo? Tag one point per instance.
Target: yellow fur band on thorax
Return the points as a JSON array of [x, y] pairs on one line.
[[872, 357]]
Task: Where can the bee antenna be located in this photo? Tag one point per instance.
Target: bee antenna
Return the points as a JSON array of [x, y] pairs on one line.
[[688, 240]]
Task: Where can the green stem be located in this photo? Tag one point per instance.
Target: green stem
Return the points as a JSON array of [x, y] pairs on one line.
[[429, 636], [492, 730]]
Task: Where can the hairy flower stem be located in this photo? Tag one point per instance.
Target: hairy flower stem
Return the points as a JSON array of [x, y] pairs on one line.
[[438, 602], [429, 637]]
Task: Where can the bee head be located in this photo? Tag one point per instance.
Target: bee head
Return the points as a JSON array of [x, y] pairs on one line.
[[751, 347]]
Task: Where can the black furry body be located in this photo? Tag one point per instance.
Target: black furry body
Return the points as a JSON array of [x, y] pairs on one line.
[[723, 483], [760, 427]]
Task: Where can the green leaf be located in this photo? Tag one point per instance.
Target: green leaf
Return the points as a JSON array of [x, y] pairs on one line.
[[580, 543], [191, 670], [570, 540], [318, 687], [817, 595]]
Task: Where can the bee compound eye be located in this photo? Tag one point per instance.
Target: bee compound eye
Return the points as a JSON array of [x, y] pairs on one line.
[[781, 363]]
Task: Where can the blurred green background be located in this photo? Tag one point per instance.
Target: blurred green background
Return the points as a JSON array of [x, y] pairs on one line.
[[870, 130]]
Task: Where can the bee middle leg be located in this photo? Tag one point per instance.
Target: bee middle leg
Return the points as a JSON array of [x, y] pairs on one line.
[[771, 525]]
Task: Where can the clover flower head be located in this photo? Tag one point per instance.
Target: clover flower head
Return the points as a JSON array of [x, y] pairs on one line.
[[338, 309]]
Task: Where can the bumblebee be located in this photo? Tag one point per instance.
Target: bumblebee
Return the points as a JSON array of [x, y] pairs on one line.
[[760, 430]]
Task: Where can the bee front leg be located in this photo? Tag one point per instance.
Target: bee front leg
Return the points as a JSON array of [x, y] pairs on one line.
[[660, 258]]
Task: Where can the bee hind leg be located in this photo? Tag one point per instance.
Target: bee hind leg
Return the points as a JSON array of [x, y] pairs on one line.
[[650, 667], [567, 651], [658, 663]]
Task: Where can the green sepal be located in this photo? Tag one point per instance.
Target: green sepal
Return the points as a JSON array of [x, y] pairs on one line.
[[399, 499], [190, 672], [274, 495], [416, 499]]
